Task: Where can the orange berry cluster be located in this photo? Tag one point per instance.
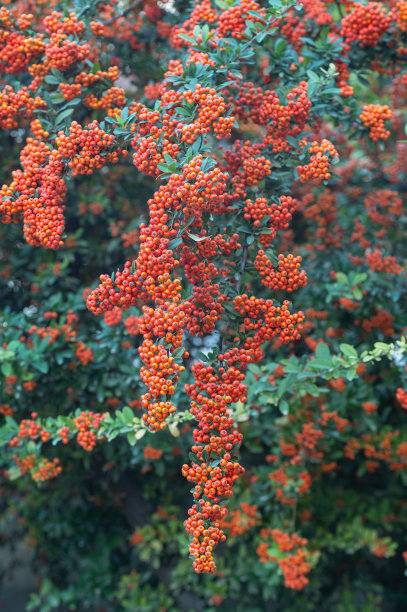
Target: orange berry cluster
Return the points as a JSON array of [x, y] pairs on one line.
[[70, 90], [358, 235], [366, 24], [149, 145], [17, 104], [46, 470], [86, 79], [6, 410], [267, 321], [321, 156], [293, 29], [204, 308], [30, 429], [61, 53], [37, 193], [112, 317], [280, 214], [401, 396], [246, 168], [241, 520], [399, 14], [152, 453], [131, 325], [201, 12], [294, 566], [83, 148], [112, 98], [387, 201], [377, 447], [286, 483], [16, 50], [203, 525], [373, 117], [264, 108], [159, 374], [342, 78], [282, 121], [213, 471], [369, 407], [25, 464], [232, 21], [57, 23], [288, 275], [323, 211], [382, 320], [38, 130], [64, 434], [52, 333], [383, 263], [316, 10], [86, 424], [192, 192], [83, 353], [41, 186], [179, 276]]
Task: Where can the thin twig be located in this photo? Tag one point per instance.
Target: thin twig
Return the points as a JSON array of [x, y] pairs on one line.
[[125, 12], [338, 6], [242, 266]]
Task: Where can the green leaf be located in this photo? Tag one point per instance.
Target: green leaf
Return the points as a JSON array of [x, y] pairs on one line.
[[348, 350], [128, 414], [51, 80], [178, 351], [124, 114], [42, 366], [63, 115], [7, 369], [169, 159], [187, 38], [131, 438], [322, 353], [284, 407], [341, 278], [174, 243], [197, 238], [163, 168]]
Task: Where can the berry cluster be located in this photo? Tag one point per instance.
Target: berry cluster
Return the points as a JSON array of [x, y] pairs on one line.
[[280, 214], [37, 192], [87, 423], [322, 155], [401, 396], [366, 24], [46, 470], [288, 275], [294, 566], [17, 104], [373, 117]]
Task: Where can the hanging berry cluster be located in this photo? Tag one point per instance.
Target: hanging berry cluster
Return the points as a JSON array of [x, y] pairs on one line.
[[193, 274], [373, 117], [185, 273]]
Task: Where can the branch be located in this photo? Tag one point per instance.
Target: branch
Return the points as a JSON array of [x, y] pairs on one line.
[[242, 267], [125, 12]]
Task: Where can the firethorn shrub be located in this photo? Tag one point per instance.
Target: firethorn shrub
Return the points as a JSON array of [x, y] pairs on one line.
[[203, 281]]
